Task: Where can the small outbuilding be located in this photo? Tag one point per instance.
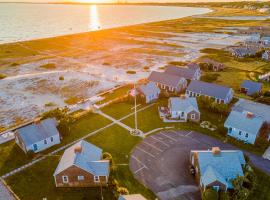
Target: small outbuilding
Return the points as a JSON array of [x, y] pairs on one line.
[[251, 87], [38, 136], [149, 92]]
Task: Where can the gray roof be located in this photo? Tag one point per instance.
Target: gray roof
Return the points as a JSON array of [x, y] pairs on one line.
[[187, 73], [131, 197], [222, 167], [37, 132], [149, 89], [259, 109], [193, 66], [89, 159], [209, 89], [166, 79], [243, 51], [240, 121], [185, 104], [251, 86]]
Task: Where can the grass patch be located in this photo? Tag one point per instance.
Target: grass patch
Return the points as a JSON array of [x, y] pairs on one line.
[[131, 72], [48, 66], [72, 100], [2, 76], [210, 77], [119, 110]]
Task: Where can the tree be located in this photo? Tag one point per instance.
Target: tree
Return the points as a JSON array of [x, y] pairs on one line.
[[240, 192], [210, 194]]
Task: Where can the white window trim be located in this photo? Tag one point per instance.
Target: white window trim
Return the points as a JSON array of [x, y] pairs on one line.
[[193, 116], [63, 179], [96, 179], [80, 178]]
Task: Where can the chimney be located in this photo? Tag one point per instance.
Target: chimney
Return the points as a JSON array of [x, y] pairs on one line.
[[250, 115], [215, 150], [78, 149]]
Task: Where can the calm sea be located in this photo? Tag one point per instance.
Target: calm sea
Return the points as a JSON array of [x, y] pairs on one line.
[[19, 22]]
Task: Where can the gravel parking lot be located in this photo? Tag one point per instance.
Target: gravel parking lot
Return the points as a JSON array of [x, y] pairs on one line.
[[161, 162]]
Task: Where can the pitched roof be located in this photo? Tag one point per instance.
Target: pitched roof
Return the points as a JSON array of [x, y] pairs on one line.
[[131, 197], [193, 65], [187, 73], [209, 89], [164, 78], [36, 132], [224, 166], [149, 89], [251, 86], [241, 121], [259, 109], [185, 104], [89, 159]]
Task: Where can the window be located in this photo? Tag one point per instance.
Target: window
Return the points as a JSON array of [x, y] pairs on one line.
[[182, 114], [51, 139], [65, 179], [246, 135], [230, 130], [35, 147], [216, 188], [45, 141], [240, 132], [96, 178], [80, 178], [193, 116]]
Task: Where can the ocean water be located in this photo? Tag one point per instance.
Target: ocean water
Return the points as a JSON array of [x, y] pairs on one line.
[[20, 22]]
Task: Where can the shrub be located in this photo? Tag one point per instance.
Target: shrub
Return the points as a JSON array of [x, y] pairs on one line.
[[210, 194], [178, 63], [106, 63], [122, 191], [146, 68], [2, 76], [61, 78], [72, 100], [131, 72], [107, 156], [14, 64], [50, 104], [30, 154], [48, 66]]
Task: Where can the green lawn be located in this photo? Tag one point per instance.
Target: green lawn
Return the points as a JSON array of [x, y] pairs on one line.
[[37, 182], [12, 156], [119, 110]]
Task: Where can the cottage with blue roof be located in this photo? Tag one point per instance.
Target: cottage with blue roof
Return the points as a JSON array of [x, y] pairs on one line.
[[82, 166], [250, 87], [217, 169], [244, 126], [38, 136], [149, 92], [220, 94], [180, 109], [186, 72]]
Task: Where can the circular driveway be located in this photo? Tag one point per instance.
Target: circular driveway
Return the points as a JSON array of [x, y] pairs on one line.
[[161, 162]]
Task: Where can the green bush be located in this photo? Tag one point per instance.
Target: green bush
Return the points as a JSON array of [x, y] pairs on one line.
[[61, 78], [210, 194], [178, 63]]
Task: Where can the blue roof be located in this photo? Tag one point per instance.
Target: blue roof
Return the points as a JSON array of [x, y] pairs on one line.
[[251, 86], [166, 79], [259, 109], [209, 89], [37, 132], [89, 159], [149, 89], [187, 73], [185, 104], [242, 121], [223, 167]]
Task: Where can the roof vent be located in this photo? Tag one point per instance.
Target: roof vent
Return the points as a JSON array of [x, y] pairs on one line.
[[78, 149], [215, 150]]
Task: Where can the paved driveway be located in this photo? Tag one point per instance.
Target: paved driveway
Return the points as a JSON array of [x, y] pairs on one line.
[[161, 162]]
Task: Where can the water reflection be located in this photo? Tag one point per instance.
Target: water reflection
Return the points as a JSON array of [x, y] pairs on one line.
[[94, 23]]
